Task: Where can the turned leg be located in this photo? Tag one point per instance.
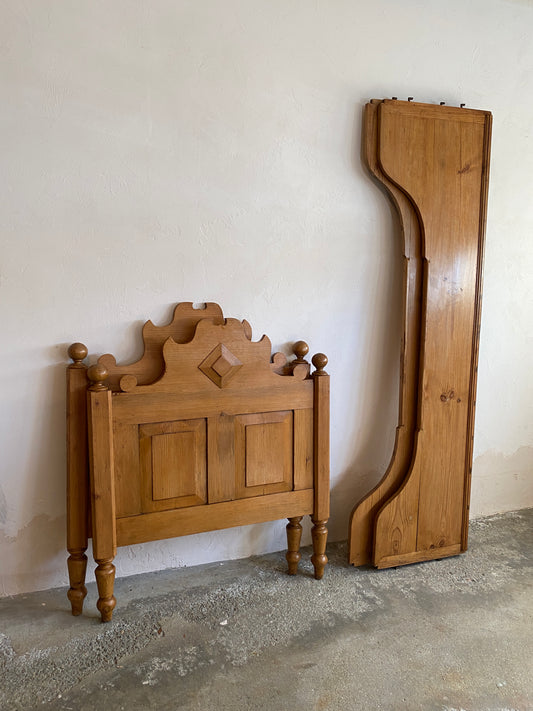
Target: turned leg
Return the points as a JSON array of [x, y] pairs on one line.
[[294, 536], [319, 534], [105, 580], [77, 566], [77, 476], [102, 481]]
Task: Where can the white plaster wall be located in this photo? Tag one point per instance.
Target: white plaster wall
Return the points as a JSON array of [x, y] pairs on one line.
[[153, 152]]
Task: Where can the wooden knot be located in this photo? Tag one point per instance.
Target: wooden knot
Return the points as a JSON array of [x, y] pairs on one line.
[[300, 350], [78, 352], [97, 374], [320, 360]]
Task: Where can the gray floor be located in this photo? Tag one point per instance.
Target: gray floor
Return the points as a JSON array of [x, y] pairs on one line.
[[447, 635]]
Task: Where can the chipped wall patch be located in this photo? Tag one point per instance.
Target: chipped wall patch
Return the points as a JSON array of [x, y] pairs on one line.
[[3, 507]]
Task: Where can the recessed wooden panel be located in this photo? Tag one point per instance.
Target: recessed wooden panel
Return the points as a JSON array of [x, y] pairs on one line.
[[264, 453], [173, 464]]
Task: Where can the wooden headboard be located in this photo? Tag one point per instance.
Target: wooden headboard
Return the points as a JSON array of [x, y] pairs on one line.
[[206, 431]]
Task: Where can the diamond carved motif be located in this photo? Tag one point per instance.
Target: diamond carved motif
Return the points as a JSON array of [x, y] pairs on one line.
[[220, 366]]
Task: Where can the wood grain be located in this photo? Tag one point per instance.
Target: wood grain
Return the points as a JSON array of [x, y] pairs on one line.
[[361, 527], [437, 158], [303, 449], [448, 189], [173, 464], [145, 407], [221, 458], [263, 453], [128, 480], [102, 474], [227, 514]]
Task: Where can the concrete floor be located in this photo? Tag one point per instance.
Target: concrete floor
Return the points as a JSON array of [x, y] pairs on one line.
[[446, 635]]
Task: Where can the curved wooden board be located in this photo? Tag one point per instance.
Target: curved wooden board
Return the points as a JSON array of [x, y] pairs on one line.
[[439, 156], [360, 537]]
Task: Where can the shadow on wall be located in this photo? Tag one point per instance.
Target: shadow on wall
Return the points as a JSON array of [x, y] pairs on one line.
[[41, 546], [31, 557], [505, 478], [34, 556], [379, 376]]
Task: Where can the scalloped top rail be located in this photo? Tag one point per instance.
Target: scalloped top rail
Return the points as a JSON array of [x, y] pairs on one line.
[[220, 356], [198, 350], [181, 329]]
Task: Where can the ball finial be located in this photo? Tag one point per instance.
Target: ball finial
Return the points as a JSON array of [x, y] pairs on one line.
[[320, 360], [97, 374], [300, 350], [78, 352]]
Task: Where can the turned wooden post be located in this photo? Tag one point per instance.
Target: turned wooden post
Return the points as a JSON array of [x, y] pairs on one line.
[[77, 476], [319, 559], [102, 487], [300, 350], [294, 536], [319, 532]]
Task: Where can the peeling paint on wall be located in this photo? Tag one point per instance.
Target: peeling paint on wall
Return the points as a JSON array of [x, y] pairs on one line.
[[502, 482], [3, 507], [34, 559]]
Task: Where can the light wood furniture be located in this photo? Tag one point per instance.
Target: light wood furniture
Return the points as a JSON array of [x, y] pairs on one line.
[[433, 161], [206, 431]]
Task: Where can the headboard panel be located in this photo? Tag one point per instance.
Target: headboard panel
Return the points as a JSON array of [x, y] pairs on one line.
[[222, 436]]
